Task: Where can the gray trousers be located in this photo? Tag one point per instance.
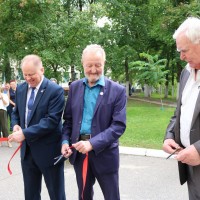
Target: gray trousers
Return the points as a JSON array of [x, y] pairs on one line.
[[194, 182]]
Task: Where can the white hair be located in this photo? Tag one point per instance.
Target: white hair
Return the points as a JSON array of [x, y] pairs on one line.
[[94, 47], [191, 28]]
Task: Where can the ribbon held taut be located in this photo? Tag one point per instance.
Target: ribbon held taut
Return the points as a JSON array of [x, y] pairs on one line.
[[3, 139]]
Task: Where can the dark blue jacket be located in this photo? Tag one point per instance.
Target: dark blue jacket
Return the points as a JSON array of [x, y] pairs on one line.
[[108, 124], [43, 132]]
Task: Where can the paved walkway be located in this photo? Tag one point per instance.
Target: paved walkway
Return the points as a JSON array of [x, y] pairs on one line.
[[144, 174]]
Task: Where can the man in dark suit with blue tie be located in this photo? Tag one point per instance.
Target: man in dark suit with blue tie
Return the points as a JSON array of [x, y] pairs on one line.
[[37, 124], [95, 118]]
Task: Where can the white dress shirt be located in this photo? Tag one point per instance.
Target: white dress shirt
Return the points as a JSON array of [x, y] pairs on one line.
[[189, 98], [6, 99]]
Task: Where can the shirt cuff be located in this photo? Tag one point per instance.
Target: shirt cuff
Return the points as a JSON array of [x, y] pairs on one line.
[[65, 142]]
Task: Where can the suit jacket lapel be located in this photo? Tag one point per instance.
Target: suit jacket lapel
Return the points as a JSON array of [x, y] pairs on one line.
[[23, 99], [196, 110], [184, 77], [182, 86], [184, 80], [81, 97], [197, 106], [100, 97]]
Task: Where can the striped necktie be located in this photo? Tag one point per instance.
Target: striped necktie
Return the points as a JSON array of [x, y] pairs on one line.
[[31, 102]]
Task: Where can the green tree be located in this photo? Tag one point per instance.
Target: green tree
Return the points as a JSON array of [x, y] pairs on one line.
[[150, 71]]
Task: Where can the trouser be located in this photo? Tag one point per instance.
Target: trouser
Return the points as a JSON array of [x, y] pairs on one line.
[[194, 182], [9, 114], [32, 175], [109, 182], [4, 123]]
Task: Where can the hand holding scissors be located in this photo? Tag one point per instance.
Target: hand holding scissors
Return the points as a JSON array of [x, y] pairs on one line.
[[177, 149], [58, 158]]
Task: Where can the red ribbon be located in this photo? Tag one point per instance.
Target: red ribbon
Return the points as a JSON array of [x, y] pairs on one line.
[[18, 148], [84, 172], [3, 139]]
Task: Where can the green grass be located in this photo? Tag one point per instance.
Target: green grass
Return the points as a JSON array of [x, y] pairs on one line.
[[146, 125]]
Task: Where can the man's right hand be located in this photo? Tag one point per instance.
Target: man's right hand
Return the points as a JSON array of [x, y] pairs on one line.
[[16, 128], [170, 145], [66, 151]]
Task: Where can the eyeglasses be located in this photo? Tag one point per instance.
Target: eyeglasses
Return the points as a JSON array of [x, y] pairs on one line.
[[29, 75]]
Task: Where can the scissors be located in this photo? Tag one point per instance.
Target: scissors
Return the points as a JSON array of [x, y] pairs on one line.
[[178, 148], [58, 158]]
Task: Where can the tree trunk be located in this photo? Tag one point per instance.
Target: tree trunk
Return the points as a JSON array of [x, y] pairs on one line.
[[166, 90], [127, 88], [126, 76], [172, 90], [147, 90], [160, 90], [7, 68], [166, 86]]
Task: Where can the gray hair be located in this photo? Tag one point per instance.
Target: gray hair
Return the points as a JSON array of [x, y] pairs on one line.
[[94, 47], [34, 59], [191, 28]]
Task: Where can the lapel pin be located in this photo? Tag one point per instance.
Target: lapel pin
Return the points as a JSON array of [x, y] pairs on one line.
[[101, 93]]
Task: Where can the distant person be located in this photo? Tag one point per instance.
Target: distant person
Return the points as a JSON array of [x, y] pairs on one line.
[[54, 80], [6, 88], [4, 102], [94, 119], [37, 124], [69, 83], [183, 131], [133, 90], [12, 91]]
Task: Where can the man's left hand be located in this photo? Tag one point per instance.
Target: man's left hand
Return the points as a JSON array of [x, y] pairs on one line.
[[16, 136], [189, 156], [83, 146]]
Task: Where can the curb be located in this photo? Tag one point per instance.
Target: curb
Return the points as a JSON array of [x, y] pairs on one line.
[[143, 152]]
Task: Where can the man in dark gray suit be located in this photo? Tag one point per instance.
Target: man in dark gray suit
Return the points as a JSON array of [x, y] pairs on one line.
[[183, 131]]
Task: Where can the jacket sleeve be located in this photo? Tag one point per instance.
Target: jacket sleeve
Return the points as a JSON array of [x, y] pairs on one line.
[[170, 131]]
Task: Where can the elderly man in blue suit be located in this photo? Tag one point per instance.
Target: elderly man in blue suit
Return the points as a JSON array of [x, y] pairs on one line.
[[95, 118], [37, 124]]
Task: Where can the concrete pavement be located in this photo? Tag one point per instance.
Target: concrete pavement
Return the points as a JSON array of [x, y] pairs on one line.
[[145, 174]]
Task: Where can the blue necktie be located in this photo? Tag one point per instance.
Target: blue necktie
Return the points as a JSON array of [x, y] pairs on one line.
[[30, 103]]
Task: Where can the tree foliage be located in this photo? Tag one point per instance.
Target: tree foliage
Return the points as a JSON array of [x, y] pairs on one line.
[[150, 69], [58, 31]]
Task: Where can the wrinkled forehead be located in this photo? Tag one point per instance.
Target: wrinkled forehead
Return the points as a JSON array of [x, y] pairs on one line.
[[182, 42]]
